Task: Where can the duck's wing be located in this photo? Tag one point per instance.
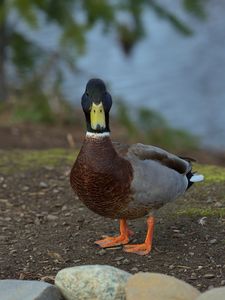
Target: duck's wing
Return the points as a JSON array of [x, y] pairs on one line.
[[169, 160], [158, 176]]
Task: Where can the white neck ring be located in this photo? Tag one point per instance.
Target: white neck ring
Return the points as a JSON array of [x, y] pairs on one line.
[[96, 135]]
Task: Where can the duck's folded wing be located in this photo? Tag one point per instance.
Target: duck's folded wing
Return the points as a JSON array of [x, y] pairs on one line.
[[158, 176], [147, 152]]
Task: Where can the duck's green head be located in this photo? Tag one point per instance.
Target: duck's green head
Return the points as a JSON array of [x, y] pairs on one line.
[[96, 103]]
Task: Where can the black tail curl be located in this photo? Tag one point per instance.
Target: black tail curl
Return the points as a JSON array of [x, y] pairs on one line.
[[189, 176]]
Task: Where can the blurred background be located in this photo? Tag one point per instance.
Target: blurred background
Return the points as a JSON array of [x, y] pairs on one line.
[[163, 62]]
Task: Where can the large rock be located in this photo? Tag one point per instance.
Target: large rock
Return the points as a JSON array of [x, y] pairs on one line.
[[156, 286], [214, 294], [28, 290], [96, 282]]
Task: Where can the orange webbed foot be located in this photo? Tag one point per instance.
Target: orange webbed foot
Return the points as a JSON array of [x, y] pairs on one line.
[[112, 241], [122, 239], [145, 248], [140, 249]]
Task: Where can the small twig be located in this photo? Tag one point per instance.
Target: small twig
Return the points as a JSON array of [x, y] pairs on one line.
[[70, 140]]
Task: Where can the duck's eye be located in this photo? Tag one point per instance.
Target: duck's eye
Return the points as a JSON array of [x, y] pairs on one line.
[[87, 94], [100, 110], [94, 110]]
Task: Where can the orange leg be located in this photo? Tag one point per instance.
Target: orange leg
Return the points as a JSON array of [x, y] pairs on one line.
[[145, 248], [122, 239]]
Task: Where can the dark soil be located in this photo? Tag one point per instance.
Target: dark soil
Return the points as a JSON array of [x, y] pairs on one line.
[[45, 228]]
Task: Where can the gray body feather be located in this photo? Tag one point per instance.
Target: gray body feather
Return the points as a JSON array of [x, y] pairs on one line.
[[155, 183]]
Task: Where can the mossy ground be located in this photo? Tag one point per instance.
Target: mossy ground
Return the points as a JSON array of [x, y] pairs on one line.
[[45, 227], [17, 161]]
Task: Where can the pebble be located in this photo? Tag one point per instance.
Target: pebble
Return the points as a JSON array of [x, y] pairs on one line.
[[28, 290], [25, 188], [77, 261], [99, 282], [43, 184], [193, 276], [209, 200], [6, 202], [209, 275], [64, 207], [157, 286], [202, 221], [126, 261], [213, 241], [119, 258], [102, 252], [178, 235], [51, 217], [134, 269], [213, 294]]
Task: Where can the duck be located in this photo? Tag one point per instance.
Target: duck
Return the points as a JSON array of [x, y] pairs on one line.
[[124, 182]]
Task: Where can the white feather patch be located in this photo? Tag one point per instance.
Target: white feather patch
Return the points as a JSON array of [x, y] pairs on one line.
[[97, 135], [197, 178]]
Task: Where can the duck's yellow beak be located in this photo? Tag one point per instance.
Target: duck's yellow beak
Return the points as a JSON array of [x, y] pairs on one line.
[[97, 116]]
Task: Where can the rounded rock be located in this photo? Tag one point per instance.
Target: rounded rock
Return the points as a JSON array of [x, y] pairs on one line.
[[157, 286], [99, 282], [215, 294]]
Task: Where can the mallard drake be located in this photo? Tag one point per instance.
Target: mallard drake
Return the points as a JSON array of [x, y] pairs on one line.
[[124, 182]]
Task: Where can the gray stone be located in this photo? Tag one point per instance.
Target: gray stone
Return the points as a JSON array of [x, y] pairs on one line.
[[28, 290], [98, 282], [157, 286], [214, 294]]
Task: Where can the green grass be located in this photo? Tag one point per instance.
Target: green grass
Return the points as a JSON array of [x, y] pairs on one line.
[[22, 160], [213, 174], [201, 212]]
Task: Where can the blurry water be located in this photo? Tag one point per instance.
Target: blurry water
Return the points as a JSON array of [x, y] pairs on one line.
[[183, 78]]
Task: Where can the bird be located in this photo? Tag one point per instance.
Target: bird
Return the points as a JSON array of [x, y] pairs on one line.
[[124, 182]]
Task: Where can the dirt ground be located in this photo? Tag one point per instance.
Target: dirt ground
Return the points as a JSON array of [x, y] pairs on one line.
[[45, 228]]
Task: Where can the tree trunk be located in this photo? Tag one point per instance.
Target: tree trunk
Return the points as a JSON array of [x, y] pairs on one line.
[[3, 42]]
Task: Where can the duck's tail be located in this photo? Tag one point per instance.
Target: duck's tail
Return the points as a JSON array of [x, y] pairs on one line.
[[193, 177]]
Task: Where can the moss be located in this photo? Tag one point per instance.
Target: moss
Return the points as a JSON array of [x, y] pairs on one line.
[[21, 160], [202, 212], [212, 174]]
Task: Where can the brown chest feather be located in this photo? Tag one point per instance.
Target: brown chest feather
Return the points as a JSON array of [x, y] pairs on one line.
[[101, 178]]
